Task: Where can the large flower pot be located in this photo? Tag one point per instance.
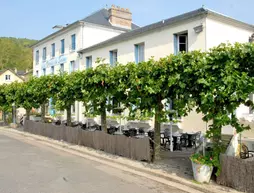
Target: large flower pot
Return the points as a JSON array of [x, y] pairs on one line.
[[202, 173]]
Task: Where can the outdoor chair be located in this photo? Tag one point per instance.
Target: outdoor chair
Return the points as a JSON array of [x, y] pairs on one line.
[[184, 140], [64, 122], [141, 131], [74, 124], [245, 153], [196, 139], [133, 132], [112, 130]]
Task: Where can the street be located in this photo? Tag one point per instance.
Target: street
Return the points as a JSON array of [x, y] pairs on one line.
[[27, 168]]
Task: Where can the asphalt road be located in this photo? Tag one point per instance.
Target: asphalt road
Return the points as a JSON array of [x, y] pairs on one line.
[[28, 168]]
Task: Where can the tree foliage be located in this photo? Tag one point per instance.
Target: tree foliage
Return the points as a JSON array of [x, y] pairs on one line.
[[16, 53]]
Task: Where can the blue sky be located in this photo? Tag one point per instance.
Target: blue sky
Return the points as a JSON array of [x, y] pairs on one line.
[[35, 19]]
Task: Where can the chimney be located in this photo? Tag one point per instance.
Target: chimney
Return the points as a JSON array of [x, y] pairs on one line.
[[15, 70], [120, 17]]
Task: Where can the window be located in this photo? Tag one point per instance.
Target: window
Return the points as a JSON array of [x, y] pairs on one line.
[[73, 42], [62, 46], [139, 52], [7, 77], [44, 54], [37, 73], [180, 43], [88, 62], [52, 70], [37, 55], [44, 71], [73, 66], [53, 50], [113, 57], [61, 68]]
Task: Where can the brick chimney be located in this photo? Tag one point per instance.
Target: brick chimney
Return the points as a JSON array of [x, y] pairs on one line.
[[120, 17]]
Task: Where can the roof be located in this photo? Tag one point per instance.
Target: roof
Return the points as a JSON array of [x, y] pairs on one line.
[[161, 24], [100, 18], [3, 71]]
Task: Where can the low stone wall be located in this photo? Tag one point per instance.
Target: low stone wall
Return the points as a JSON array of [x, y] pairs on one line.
[[137, 149], [237, 173]]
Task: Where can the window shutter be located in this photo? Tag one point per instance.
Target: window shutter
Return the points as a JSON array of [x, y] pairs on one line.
[[70, 67], [87, 62], [175, 44], [136, 54], [111, 58]]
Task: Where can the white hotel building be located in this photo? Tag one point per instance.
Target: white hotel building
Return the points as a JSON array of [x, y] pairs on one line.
[[58, 51], [200, 29]]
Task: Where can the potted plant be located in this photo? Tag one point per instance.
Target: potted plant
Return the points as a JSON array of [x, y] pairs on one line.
[[202, 166]]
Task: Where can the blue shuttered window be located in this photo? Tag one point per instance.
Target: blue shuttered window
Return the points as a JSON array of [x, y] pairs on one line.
[[88, 62], [180, 43], [44, 71], [73, 42], [37, 57], [136, 54], [44, 54], [139, 52], [113, 57], [175, 44], [53, 50], [72, 66], [62, 46], [52, 70], [61, 68]]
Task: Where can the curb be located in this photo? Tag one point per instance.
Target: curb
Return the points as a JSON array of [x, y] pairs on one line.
[[138, 169]]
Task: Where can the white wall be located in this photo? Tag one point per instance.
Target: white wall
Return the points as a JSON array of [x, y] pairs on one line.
[[86, 35], [222, 31], [94, 34], [158, 43], [57, 40]]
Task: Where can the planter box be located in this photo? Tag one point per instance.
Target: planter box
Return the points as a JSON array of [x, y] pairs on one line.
[[202, 173], [237, 173], [137, 149]]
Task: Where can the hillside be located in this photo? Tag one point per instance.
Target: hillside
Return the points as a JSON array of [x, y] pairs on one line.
[[16, 53]]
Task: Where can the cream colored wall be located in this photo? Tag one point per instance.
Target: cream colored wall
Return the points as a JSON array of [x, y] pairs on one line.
[[86, 35], [95, 34], [13, 78], [222, 31], [158, 43]]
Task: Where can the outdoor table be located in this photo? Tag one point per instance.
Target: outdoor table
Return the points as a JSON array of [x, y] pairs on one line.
[[190, 136], [118, 133]]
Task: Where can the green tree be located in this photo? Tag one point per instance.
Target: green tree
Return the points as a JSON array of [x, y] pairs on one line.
[[67, 90], [96, 91]]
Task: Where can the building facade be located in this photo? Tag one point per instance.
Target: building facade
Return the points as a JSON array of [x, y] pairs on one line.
[[58, 51], [200, 29]]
